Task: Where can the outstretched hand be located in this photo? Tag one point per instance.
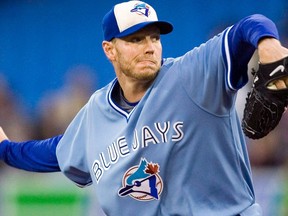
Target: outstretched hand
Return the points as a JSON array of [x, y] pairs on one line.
[[3, 136]]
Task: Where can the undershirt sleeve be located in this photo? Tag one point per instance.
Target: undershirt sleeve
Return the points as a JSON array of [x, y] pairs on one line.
[[242, 41], [34, 155]]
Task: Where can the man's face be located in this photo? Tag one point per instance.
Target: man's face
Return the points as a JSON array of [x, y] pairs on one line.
[[138, 56]]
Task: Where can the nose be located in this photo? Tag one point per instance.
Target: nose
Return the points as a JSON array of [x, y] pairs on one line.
[[149, 45]]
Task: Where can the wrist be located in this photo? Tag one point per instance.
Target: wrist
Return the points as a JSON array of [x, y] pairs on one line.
[[270, 50]]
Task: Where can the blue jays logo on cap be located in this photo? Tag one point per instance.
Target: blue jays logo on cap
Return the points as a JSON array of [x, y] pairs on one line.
[[142, 182], [129, 17], [141, 8]]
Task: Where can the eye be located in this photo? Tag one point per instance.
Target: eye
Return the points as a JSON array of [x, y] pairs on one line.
[[135, 39], [155, 37]]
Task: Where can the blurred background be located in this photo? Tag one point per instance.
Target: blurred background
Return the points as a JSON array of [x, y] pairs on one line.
[[51, 61]]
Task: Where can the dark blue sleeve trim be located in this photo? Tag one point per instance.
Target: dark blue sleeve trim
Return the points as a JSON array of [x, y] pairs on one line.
[[243, 39], [34, 155]]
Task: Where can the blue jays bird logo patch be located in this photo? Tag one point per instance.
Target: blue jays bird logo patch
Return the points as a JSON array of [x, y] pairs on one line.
[[141, 9], [142, 182]]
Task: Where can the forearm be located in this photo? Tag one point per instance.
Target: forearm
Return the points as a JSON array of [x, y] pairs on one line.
[[271, 50], [34, 155]]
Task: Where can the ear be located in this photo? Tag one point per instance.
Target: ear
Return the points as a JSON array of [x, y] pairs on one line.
[[109, 51]]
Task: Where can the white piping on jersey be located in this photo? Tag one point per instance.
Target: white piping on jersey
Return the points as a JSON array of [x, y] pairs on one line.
[[228, 59], [117, 108], [83, 185]]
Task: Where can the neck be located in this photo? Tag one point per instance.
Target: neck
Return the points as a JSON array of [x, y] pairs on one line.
[[134, 92]]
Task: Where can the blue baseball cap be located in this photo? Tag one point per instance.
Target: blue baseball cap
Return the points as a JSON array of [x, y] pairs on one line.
[[129, 17]]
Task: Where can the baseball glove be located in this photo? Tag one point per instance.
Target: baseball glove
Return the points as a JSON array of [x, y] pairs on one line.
[[264, 104]]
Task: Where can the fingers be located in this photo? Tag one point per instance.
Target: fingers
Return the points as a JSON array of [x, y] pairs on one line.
[[279, 84], [286, 81], [3, 136]]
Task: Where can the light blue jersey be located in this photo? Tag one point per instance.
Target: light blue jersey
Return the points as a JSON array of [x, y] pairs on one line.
[[180, 151]]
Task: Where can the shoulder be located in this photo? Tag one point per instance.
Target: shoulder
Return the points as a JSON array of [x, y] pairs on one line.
[[103, 92]]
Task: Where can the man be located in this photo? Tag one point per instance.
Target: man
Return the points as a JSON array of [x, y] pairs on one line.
[[163, 138]]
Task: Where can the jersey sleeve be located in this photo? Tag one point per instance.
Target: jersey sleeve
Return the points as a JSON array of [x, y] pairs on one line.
[[71, 151], [202, 74], [34, 155], [240, 42], [212, 73]]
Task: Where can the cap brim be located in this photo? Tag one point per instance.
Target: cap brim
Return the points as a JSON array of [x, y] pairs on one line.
[[164, 27]]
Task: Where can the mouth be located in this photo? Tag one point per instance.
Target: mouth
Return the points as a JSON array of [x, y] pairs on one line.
[[148, 61]]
